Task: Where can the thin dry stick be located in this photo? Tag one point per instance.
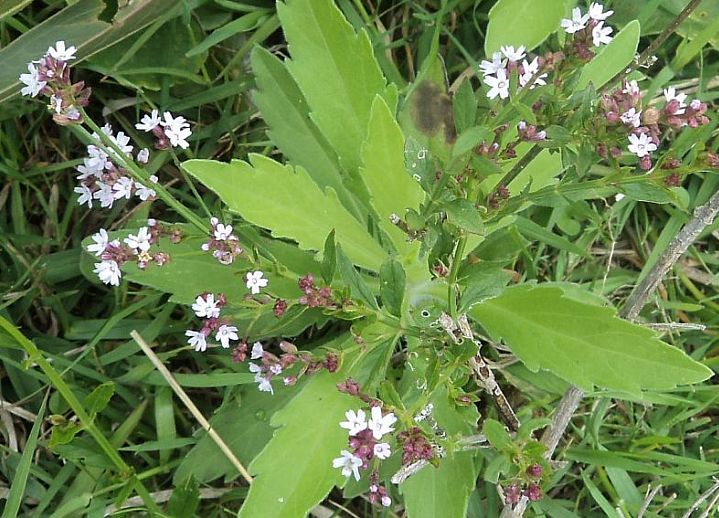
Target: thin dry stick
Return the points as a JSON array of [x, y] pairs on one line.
[[651, 493], [709, 492], [190, 405], [703, 217]]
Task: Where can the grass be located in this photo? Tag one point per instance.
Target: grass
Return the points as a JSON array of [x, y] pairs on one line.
[[617, 449]]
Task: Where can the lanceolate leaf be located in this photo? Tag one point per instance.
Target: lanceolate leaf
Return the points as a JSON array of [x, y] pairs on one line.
[[289, 203], [585, 344], [612, 59], [518, 22], [337, 72], [444, 491], [391, 188], [294, 472], [285, 111]]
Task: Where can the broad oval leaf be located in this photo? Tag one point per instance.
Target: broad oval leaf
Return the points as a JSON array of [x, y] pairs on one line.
[[294, 472], [519, 22], [584, 344], [289, 203], [612, 59]]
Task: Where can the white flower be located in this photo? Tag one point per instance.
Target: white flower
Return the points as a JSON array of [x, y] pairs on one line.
[[263, 384], [122, 142], [141, 241], [177, 129], [631, 117], [380, 424], [695, 104], [32, 82], [601, 34], [97, 159], [151, 222], [499, 85], [596, 12], [61, 53], [494, 66], [206, 307], [618, 197], [105, 195], [149, 121], [670, 94], [85, 171], [145, 193], [276, 369], [197, 339], [349, 463], [631, 88], [101, 240], [511, 54], [386, 501], [226, 333], [382, 450], [529, 70], [222, 232], [641, 145], [577, 23], [257, 351], [56, 103], [108, 272], [85, 195], [255, 281], [143, 156], [123, 187], [356, 422]]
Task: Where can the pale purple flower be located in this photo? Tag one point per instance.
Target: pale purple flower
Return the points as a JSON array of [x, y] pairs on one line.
[[255, 281], [123, 187], [631, 117], [85, 195], [349, 463], [222, 232], [145, 193], [596, 12], [139, 242], [576, 23], [641, 145], [109, 272], [257, 351], [60, 53], [105, 195], [382, 450], [513, 54], [143, 156], [601, 35], [494, 66], [671, 94], [379, 424], [356, 421], [197, 339]]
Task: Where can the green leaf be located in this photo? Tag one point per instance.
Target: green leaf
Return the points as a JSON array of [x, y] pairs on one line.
[[184, 500], [496, 434], [329, 258], [518, 22], [584, 344], [294, 472], [469, 138], [289, 203], [285, 111], [353, 280], [206, 462], [612, 59], [391, 189], [336, 70], [444, 491], [244, 23], [19, 481], [462, 213], [98, 399], [391, 285]]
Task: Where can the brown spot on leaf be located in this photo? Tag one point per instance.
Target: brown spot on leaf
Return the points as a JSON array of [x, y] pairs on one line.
[[432, 111]]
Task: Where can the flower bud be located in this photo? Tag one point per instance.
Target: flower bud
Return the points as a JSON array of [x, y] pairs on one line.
[[650, 116]]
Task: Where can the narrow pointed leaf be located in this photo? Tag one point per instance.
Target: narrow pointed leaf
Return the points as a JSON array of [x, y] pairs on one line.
[[392, 190], [584, 344], [289, 203]]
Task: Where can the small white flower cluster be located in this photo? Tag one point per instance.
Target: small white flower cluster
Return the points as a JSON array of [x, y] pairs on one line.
[[224, 244], [364, 437], [208, 307], [100, 179], [169, 130], [34, 80], [114, 254], [269, 367], [597, 15], [496, 72]]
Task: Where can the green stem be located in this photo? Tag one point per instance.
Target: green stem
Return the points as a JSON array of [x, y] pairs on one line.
[[453, 289], [36, 356], [138, 174]]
